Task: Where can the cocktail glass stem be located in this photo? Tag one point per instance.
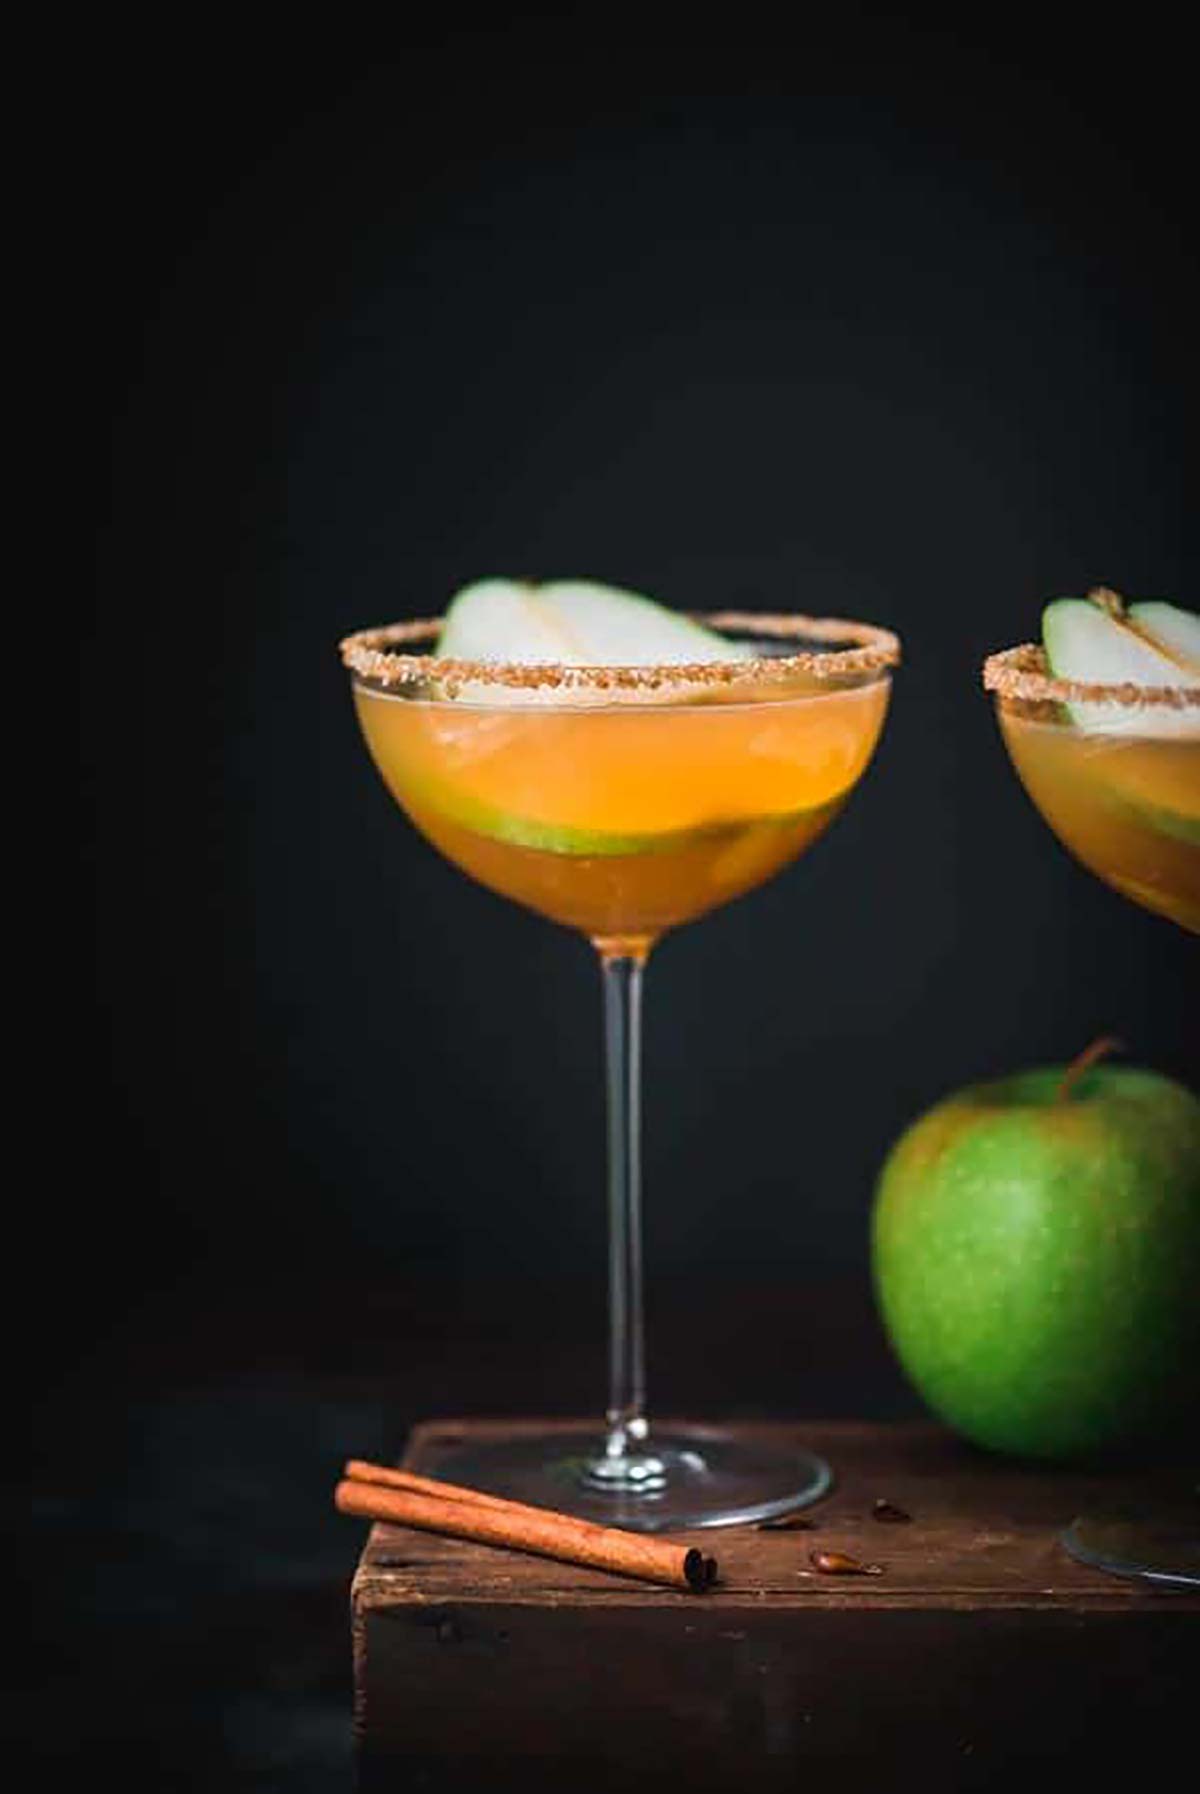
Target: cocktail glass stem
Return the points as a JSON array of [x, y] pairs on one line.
[[626, 1339], [626, 1464]]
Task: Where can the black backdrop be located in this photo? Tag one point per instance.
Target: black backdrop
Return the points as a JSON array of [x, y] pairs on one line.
[[893, 326], [900, 337]]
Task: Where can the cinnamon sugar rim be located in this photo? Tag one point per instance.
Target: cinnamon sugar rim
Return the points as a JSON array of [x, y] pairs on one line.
[[371, 654], [1022, 673]]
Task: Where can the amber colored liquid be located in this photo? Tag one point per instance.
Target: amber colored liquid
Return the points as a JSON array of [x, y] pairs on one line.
[[623, 821], [1127, 806]]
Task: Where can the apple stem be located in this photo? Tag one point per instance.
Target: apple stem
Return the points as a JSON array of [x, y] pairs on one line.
[[1083, 1062], [1108, 600]]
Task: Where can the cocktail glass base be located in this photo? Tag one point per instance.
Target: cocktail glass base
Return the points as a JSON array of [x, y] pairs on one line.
[[1160, 1545], [675, 1479]]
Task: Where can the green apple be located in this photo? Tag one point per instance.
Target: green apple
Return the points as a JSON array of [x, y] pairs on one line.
[[1036, 1256]]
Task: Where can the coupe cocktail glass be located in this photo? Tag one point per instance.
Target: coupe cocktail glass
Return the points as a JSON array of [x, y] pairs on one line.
[[622, 802], [1115, 771]]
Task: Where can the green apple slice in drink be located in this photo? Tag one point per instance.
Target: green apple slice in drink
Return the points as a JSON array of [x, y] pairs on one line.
[[585, 843]]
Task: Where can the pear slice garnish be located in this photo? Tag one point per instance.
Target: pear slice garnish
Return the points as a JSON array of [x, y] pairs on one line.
[[1174, 630], [502, 619], [569, 622], [1089, 640], [575, 622]]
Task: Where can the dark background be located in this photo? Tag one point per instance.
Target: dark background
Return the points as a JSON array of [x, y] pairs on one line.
[[894, 330]]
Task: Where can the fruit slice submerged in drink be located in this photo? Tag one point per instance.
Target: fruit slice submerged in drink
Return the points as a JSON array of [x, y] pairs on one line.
[[620, 780], [1160, 789]]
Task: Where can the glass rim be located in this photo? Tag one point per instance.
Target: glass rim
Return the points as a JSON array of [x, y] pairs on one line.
[[868, 649], [1022, 674]]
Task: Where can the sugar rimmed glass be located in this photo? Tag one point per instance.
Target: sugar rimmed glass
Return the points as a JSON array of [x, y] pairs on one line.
[[623, 802], [1115, 772]]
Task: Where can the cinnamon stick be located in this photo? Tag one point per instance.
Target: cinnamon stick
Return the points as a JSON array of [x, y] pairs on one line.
[[387, 1476], [490, 1520]]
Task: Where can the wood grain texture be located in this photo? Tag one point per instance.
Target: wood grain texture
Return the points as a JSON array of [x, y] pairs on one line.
[[984, 1533], [982, 1643]]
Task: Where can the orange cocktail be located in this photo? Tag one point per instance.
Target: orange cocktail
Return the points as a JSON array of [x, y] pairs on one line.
[[625, 820], [1127, 805]]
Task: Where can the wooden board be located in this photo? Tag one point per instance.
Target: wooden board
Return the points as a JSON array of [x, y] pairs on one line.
[[983, 1644]]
